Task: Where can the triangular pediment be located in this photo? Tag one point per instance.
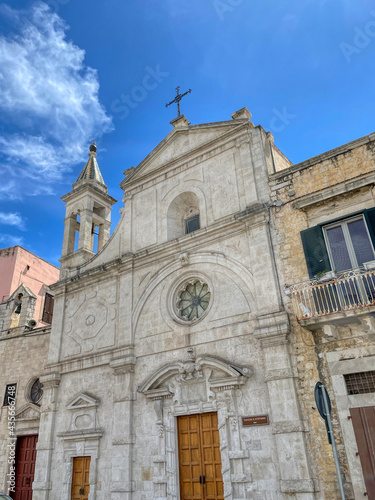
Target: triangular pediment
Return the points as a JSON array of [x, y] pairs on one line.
[[82, 400], [181, 144], [26, 292], [29, 411]]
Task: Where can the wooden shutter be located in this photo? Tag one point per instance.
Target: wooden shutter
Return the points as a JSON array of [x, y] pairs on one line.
[[48, 308], [315, 249], [363, 420]]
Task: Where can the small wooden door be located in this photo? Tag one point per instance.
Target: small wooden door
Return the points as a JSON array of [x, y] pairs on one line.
[[25, 467], [199, 457], [364, 429], [80, 478]]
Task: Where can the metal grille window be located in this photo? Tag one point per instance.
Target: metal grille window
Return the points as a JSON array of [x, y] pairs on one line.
[[10, 394], [360, 383]]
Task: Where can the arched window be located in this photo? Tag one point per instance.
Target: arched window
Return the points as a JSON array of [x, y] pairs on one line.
[[183, 215]]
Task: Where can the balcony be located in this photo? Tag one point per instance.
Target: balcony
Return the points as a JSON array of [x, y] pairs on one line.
[[343, 295]]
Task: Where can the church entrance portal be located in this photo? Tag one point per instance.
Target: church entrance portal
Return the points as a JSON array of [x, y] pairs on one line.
[[199, 457]]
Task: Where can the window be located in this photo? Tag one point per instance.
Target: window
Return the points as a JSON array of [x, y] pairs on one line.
[[36, 391], [192, 224], [349, 244], [48, 308], [360, 383], [10, 394], [341, 244]]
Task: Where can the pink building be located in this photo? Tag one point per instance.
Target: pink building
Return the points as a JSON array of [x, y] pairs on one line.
[[24, 279]]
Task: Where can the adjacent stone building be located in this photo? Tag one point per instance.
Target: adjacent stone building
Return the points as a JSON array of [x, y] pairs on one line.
[[324, 230], [26, 312]]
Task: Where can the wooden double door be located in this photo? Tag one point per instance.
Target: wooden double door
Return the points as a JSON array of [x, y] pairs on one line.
[[80, 478], [25, 467], [199, 458]]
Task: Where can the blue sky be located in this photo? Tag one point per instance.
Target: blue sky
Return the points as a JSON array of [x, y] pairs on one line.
[[72, 71]]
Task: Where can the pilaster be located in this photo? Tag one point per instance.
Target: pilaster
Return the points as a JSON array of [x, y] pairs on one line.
[[288, 428], [123, 439], [42, 484]]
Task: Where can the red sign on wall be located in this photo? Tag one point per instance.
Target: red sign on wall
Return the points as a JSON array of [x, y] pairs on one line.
[[255, 420]]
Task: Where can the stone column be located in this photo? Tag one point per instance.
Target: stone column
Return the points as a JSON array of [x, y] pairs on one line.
[[42, 484], [69, 235], [85, 231], [104, 232], [122, 484], [288, 428]]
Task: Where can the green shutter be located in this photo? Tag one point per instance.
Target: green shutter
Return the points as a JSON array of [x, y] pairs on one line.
[[316, 254], [370, 221]]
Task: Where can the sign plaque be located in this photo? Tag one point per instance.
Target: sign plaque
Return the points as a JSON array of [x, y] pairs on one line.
[[255, 420]]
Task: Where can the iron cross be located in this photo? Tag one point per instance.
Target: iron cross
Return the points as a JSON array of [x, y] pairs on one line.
[[177, 99]]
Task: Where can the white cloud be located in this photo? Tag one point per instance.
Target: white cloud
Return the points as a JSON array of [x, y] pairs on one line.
[[11, 241], [50, 98], [12, 219]]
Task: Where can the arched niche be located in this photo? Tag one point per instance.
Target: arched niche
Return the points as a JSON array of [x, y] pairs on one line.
[[183, 208]]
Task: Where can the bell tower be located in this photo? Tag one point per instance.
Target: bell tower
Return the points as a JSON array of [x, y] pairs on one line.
[[88, 215]]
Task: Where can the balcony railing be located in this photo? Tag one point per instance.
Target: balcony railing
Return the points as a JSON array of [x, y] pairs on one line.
[[348, 290]]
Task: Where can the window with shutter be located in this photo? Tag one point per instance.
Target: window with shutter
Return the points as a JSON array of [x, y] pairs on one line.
[[341, 244], [48, 308]]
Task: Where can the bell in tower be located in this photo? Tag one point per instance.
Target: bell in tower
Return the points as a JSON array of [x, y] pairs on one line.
[[88, 215]]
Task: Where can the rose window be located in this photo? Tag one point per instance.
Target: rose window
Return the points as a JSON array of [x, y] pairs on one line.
[[193, 300]]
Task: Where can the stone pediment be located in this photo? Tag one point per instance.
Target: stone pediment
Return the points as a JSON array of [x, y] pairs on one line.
[[189, 140], [29, 411], [83, 400], [26, 292], [214, 373]]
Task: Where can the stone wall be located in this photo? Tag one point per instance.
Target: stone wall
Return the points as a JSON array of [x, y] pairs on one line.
[[333, 185]]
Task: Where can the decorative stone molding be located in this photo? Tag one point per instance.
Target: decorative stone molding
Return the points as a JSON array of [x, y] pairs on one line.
[[172, 379], [273, 329], [123, 365], [28, 412], [184, 259], [279, 374]]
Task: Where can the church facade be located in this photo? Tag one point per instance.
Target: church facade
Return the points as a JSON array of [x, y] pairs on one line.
[[169, 372]]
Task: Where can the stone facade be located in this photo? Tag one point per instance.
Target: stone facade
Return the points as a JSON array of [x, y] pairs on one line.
[[126, 360], [328, 341]]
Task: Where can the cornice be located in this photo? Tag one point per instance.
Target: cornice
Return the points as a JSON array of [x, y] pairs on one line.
[[235, 224]]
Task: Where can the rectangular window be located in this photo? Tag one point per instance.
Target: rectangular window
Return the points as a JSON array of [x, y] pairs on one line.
[[349, 244], [48, 308], [192, 224], [10, 394], [360, 383]]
